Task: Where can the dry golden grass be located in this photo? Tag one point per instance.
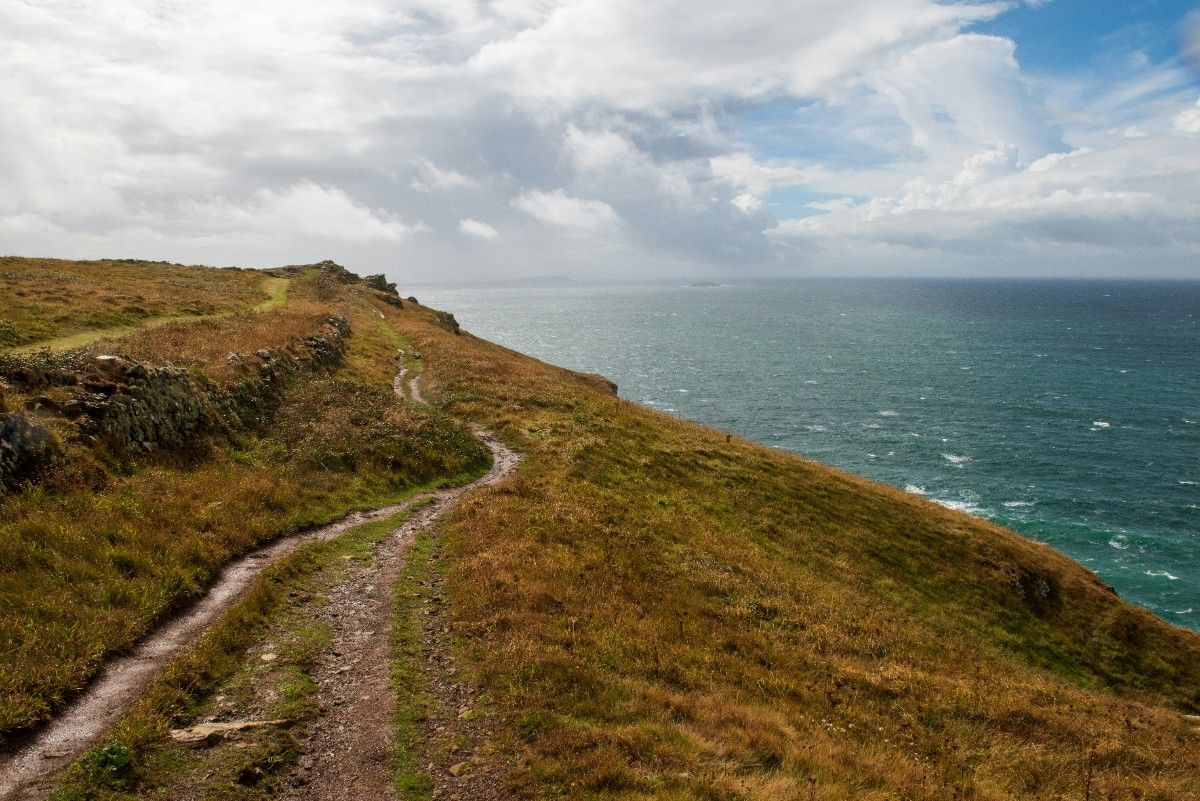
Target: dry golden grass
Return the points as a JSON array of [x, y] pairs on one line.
[[205, 345], [49, 298], [658, 610], [86, 568], [655, 609]]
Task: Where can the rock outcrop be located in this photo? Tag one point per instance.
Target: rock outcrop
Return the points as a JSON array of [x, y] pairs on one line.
[[446, 320]]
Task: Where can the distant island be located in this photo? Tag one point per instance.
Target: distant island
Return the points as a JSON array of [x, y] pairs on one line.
[[703, 284]]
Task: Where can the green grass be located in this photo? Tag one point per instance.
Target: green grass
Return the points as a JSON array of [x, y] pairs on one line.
[[652, 608], [56, 304], [276, 290], [85, 573], [138, 761], [412, 695], [90, 560]]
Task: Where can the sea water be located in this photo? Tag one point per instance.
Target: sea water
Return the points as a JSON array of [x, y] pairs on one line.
[[1068, 411]]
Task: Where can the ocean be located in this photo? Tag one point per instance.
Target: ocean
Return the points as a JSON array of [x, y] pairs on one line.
[[1068, 411]]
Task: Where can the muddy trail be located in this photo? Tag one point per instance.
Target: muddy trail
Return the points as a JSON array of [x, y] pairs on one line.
[[350, 746], [347, 754]]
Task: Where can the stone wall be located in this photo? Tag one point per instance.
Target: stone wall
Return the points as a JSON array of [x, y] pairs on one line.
[[128, 407]]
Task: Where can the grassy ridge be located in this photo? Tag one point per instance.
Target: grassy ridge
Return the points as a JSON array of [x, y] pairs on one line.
[[48, 299], [665, 611], [87, 566]]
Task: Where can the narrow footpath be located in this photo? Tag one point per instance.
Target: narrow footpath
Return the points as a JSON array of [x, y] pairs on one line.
[[348, 754]]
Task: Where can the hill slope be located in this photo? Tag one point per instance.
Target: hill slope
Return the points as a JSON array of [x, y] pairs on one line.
[[663, 610], [651, 608]]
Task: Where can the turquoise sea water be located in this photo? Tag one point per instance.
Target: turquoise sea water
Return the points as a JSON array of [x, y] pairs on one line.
[[1068, 411]]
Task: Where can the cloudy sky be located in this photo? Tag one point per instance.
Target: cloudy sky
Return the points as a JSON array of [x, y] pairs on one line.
[[458, 140]]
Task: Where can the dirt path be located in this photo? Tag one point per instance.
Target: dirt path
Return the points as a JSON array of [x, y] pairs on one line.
[[361, 652], [348, 753], [26, 772]]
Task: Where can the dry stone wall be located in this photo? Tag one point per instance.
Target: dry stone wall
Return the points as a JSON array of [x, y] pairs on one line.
[[128, 407]]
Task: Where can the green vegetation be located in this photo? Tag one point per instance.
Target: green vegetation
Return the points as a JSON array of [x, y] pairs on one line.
[[651, 608], [66, 304], [224, 676], [105, 543], [413, 699]]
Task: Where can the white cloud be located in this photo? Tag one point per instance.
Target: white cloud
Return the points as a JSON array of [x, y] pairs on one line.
[[1188, 120], [666, 131], [965, 92], [1067, 208], [304, 209], [477, 229], [741, 170], [630, 54], [430, 177], [597, 150], [1051, 160], [560, 209], [747, 202]]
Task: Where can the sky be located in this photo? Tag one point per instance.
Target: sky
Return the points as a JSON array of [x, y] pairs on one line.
[[474, 141]]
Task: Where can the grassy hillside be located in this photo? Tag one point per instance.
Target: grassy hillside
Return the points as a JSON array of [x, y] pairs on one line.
[[102, 540], [660, 610], [58, 301], [652, 609]]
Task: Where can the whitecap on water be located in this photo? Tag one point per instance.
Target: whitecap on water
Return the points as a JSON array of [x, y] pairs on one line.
[[955, 459], [1119, 543], [1189, 483], [888, 413], [915, 490], [1162, 574], [1017, 504], [1100, 425], [959, 506]]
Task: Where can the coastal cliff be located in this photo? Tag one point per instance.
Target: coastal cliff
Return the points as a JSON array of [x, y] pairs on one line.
[[645, 608]]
